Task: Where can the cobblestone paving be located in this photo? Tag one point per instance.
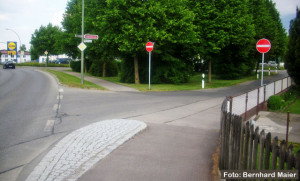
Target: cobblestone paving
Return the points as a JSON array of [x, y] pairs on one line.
[[81, 149]]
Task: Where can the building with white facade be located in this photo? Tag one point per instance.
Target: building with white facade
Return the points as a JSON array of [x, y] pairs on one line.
[[51, 58], [5, 57]]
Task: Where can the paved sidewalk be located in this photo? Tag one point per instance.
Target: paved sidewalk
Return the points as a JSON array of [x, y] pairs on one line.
[[276, 124], [80, 150], [161, 153]]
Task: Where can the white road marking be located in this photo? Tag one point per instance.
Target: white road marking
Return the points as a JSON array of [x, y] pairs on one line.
[[49, 125], [59, 97], [55, 107]]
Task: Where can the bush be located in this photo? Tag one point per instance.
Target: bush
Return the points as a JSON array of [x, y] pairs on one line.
[[275, 102], [96, 68], [76, 66]]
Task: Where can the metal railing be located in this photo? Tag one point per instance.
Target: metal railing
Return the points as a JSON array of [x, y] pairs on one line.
[[250, 103]]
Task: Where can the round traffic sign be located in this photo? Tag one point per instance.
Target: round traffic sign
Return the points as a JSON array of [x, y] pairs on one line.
[[263, 45], [149, 46]]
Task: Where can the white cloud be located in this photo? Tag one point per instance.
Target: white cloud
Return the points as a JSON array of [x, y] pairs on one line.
[[287, 7]]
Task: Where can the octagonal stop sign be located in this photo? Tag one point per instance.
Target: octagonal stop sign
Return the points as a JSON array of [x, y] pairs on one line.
[[263, 45]]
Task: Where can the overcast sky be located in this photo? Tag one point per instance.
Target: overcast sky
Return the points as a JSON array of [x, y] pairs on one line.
[[25, 16]]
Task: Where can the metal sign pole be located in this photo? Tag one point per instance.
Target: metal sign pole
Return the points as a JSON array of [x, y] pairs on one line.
[[262, 70], [149, 70], [82, 39]]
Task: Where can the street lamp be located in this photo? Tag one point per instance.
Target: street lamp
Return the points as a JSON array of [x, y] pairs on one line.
[[21, 55]]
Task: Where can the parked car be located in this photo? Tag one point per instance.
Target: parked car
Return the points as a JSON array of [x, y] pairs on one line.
[[9, 65], [272, 64], [62, 61]]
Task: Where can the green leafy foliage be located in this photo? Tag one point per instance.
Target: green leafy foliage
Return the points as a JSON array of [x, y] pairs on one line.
[[223, 32], [292, 58], [274, 102], [46, 38], [111, 67], [75, 66], [284, 101]]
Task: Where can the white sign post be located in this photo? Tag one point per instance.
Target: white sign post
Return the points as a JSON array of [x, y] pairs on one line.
[[149, 48], [203, 85]]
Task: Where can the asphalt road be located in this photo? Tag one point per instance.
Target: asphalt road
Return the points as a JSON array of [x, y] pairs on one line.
[[30, 123], [27, 98]]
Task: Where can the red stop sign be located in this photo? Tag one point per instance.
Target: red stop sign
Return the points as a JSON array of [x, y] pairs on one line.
[[149, 46], [263, 45]]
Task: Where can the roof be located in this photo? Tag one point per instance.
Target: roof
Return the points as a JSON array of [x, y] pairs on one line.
[[4, 52]]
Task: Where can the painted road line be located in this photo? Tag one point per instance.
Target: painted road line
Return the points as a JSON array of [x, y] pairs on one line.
[[80, 150], [49, 125], [59, 97], [56, 106]]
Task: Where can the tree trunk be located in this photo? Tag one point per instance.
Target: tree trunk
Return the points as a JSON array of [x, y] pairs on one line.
[[136, 70], [104, 69], [209, 71]]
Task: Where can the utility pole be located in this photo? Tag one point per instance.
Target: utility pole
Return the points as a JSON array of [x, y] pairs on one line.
[[82, 40]]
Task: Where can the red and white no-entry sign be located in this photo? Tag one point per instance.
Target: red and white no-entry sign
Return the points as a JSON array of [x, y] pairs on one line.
[[263, 45], [149, 46]]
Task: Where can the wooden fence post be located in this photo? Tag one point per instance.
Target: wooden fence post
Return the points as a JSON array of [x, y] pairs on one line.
[[298, 162], [223, 120], [242, 140], [250, 152], [268, 150], [247, 136], [274, 153], [282, 153], [246, 106], [261, 149], [256, 137], [290, 157], [231, 143]]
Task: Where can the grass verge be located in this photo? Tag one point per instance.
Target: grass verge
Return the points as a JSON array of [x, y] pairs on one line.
[[72, 81], [295, 107], [37, 64], [195, 83]]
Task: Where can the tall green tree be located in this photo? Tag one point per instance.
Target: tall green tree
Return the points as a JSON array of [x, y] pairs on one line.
[[266, 19], [225, 31], [129, 24], [46, 38], [292, 58]]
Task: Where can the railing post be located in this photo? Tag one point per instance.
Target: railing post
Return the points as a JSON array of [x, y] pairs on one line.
[[287, 129], [246, 101], [257, 104], [264, 93], [230, 104]]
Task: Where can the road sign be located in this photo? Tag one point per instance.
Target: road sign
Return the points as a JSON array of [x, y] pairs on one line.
[[88, 41], [149, 46], [46, 53], [78, 36], [82, 46], [263, 45], [93, 37]]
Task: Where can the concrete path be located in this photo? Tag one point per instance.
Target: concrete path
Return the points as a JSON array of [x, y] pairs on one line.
[[103, 83], [276, 124]]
